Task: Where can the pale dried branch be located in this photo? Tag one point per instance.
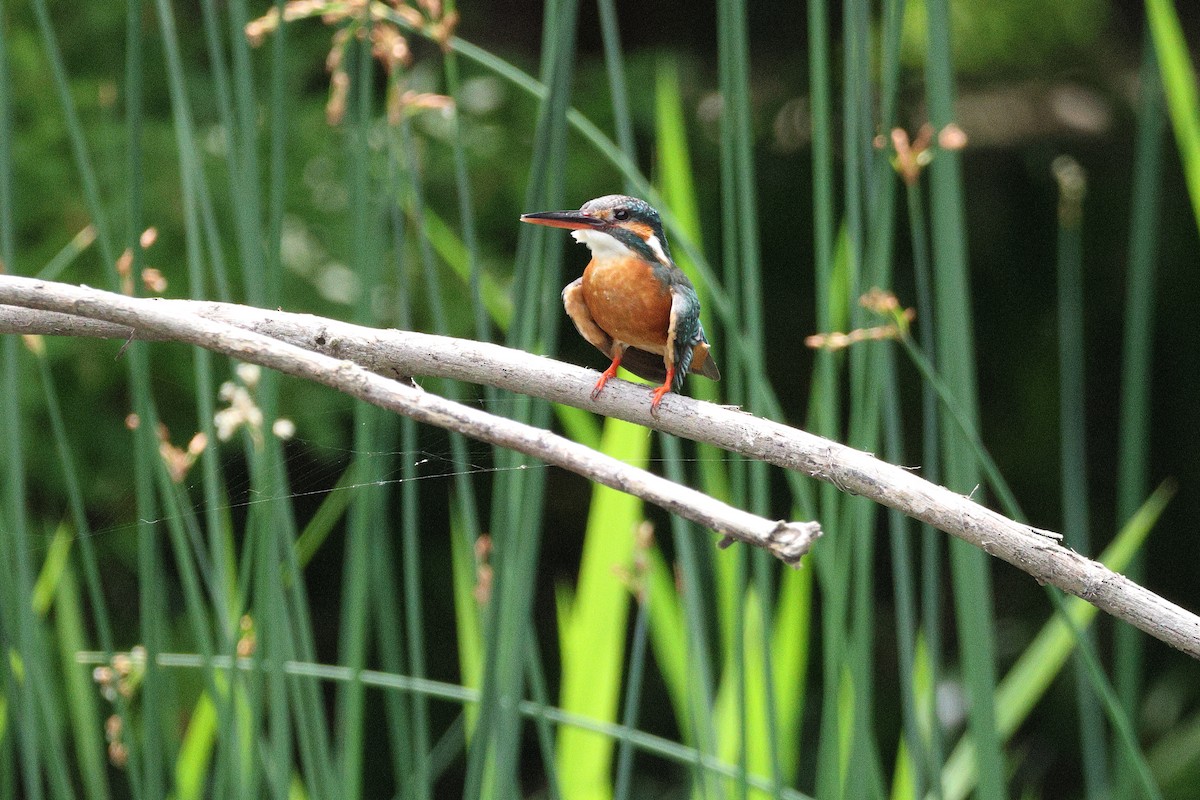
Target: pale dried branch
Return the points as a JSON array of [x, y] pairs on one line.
[[788, 541], [402, 353]]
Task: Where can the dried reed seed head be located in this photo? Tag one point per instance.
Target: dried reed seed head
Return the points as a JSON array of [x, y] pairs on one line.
[[284, 429], [339, 92], [154, 280], [881, 301], [249, 374], [35, 343], [911, 156], [247, 638], [390, 47], [952, 137], [483, 548], [125, 263], [484, 578], [644, 535], [113, 727]]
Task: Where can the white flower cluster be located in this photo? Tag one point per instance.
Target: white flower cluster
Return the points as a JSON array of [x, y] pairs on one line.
[[242, 410]]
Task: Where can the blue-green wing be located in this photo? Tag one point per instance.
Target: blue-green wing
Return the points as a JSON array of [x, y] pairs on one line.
[[687, 343]]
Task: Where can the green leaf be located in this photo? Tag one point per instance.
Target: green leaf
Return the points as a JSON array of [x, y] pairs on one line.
[[195, 753], [53, 567], [1179, 83], [468, 626], [593, 626], [668, 636]]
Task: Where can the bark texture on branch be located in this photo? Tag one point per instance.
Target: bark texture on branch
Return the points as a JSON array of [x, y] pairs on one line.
[[789, 541], [403, 353]]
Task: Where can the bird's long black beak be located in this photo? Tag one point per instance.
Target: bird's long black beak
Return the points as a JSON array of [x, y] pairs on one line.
[[573, 220]]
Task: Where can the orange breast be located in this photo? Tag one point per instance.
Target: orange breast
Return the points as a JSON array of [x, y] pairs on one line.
[[628, 302]]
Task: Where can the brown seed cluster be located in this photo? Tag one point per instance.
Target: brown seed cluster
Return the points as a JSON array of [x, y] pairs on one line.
[[152, 279], [384, 25], [119, 679], [912, 156], [877, 301]]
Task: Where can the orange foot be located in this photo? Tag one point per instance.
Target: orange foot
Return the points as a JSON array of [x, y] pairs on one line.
[[608, 373], [658, 396], [658, 393]]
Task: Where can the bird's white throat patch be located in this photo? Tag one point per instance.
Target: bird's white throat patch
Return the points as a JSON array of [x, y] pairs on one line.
[[605, 245], [602, 245]]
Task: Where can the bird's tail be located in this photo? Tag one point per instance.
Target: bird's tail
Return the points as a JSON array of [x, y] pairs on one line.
[[703, 364]]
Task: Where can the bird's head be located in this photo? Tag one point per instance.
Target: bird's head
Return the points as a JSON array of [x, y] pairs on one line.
[[613, 226]]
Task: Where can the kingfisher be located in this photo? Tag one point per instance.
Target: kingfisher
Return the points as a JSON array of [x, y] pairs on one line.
[[633, 302]]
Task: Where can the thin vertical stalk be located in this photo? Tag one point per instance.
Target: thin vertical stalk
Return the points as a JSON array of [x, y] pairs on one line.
[[900, 534], [845, 736], [19, 625], [79, 151], [736, 376], [154, 688], [824, 410], [868, 374], [700, 687], [222, 88], [855, 128], [464, 495], [633, 694], [610, 34], [16, 622], [736, 130], [1133, 454], [150, 581], [466, 209], [277, 155], [413, 609], [244, 179], [955, 349], [274, 649], [824, 415], [737, 93], [107, 249], [536, 677], [880, 274], [194, 191], [740, 273], [409, 761], [518, 493], [419, 782], [931, 539], [1071, 188], [365, 512]]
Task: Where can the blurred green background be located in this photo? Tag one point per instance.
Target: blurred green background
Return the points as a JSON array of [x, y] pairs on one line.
[[359, 220]]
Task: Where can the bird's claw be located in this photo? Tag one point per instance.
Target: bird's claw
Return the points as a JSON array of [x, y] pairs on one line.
[[599, 387], [611, 372], [658, 396]]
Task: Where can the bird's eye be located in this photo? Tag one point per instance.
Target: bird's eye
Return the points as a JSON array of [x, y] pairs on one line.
[[621, 214]]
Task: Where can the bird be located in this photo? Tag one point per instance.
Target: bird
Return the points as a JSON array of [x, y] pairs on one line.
[[633, 303]]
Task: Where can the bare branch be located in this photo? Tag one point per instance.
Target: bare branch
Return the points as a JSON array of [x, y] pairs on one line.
[[789, 541], [401, 353]]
